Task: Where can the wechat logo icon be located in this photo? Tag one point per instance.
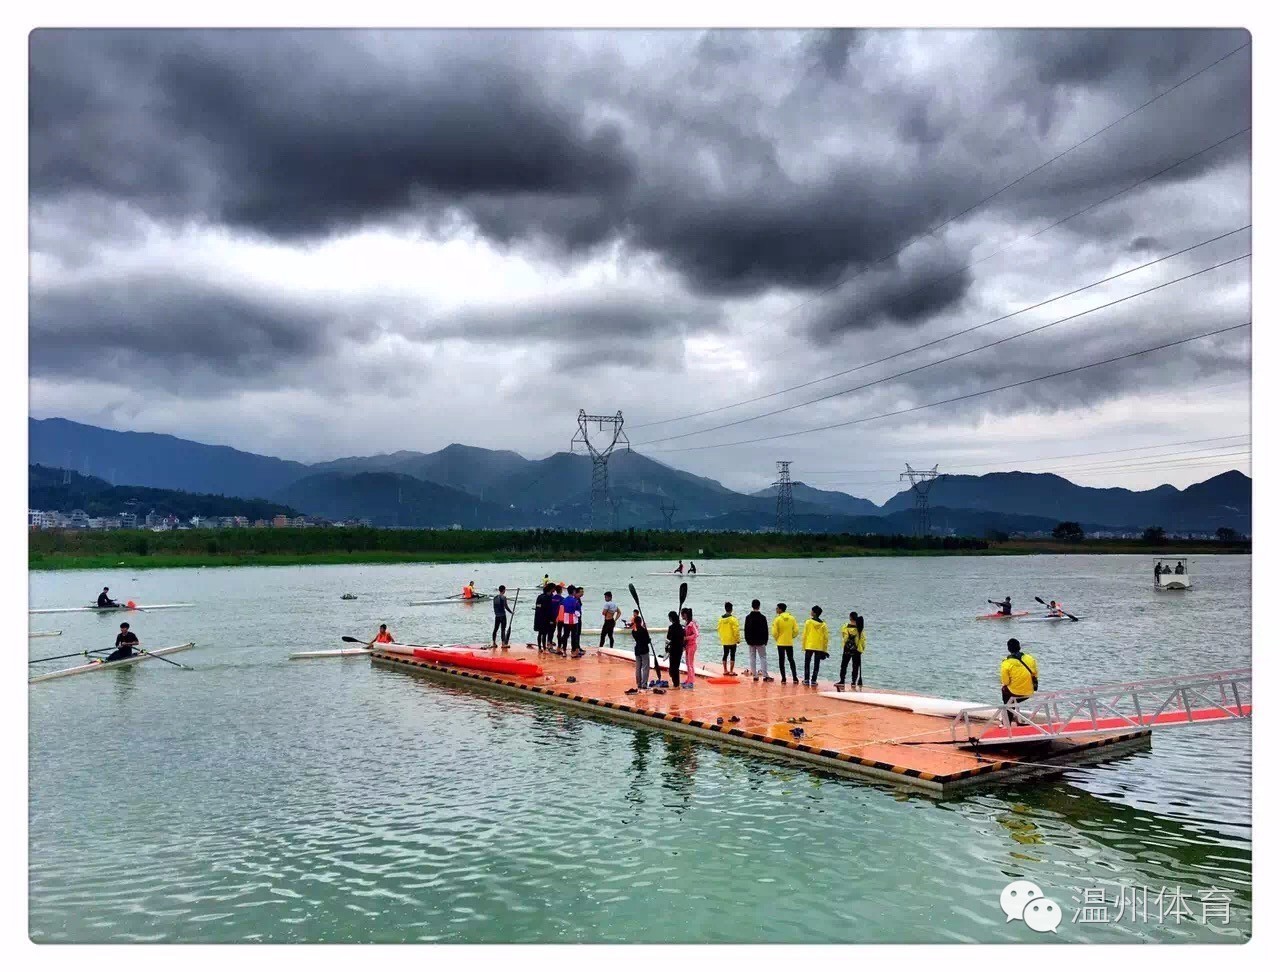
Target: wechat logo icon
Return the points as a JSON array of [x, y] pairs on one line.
[[1024, 901]]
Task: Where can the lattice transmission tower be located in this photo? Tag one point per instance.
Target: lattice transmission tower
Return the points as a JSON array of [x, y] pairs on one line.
[[784, 518], [668, 511], [922, 481], [611, 427]]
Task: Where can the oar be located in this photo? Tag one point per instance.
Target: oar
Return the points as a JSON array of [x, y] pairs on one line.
[[74, 654], [357, 641], [684, 593], [143, 651], [1071, 616], [652, 648]]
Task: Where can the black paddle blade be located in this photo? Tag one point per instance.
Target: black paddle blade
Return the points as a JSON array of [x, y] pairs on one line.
[[684, 592], [354, 641], [634, 596]]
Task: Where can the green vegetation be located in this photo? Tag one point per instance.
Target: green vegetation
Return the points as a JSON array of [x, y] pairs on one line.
[[58, 549]]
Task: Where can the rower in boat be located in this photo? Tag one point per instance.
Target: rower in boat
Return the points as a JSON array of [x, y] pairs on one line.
[[383, 637], [104, 599], [693, 568], [1056, 610], [680, 569], [126, 642], [469, 591], [1005, 606]]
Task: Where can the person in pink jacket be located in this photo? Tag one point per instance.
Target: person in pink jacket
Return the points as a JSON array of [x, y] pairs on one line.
[[690, 643]]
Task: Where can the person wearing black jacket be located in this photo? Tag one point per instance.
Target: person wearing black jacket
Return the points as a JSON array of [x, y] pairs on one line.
[[755, 632], [643, 646], [675, 647], [543, 617]]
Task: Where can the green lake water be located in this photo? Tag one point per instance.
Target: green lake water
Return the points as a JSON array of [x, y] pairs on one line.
[[256, 799]]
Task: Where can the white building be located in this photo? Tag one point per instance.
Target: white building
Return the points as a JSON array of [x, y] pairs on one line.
[[41, 519]]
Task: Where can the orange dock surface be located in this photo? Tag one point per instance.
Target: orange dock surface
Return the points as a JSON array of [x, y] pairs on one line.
[[868, 741]]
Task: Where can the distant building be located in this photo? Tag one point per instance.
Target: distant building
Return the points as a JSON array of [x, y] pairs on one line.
[[260, 524], [41, 519], [299, 521], [279, 520], [78, 519], [128, 521]]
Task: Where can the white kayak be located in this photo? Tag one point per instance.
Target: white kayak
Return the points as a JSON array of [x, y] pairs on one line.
[[1046, 617], [671, 573], [100, 666], [335, 653], [922, 704], [45, 634], [449, 600], [107, 610], [630, 655]]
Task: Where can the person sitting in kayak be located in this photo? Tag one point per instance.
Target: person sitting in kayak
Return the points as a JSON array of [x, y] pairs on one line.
[[469, 591], [126, 641], [383, 637], [1005, 606], [693, 568], [1019, 674], [1056, 610], [680, 569], [104, 599]]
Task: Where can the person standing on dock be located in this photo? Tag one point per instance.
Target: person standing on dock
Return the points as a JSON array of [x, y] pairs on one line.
[[571, 635], [1019, 675], [105, 601], [644, 645], [755, 630], [499, 616], [611, 614], [557, 618], [542, 606], [126, 642], [730, 634], [690, 645], [855, 643], [675, 647], [816, 642], [785, 629]]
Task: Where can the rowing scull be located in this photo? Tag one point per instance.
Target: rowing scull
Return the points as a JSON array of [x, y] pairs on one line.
[[99, 666], [45, 634], [107, 610]]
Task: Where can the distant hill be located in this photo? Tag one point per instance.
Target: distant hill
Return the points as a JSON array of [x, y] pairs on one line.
[[97, 497], [827, 500], [163, 461], [968, 523], [396, 500], [485, 487], [1204, 506]]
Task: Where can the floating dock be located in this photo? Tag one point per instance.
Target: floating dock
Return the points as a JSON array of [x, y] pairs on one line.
[[873, 742]]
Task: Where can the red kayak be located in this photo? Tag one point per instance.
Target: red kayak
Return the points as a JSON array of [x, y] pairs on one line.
[[1002, 617], [479, 663]]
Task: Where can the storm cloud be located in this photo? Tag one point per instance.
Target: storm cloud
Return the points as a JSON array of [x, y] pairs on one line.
[[678, 219]]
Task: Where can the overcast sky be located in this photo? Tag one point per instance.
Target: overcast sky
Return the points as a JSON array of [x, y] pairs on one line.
[[323, 243]]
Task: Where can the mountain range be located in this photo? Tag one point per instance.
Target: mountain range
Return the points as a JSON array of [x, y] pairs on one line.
[[477, 487]]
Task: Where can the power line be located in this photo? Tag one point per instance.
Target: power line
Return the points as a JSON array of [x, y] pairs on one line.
[[961, 398], [949, 358], [844, 279]]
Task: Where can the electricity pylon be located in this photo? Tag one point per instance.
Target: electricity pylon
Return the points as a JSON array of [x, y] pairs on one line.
[[921, 482], [784, 520], [600, 499]]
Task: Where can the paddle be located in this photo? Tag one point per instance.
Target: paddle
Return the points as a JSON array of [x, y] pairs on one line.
[[684, 593], [652, 648], [357, 641], [74, 654], [1071, 616], [511, 616]]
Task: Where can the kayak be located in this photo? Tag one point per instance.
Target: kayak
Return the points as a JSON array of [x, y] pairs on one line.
[[997, 616], [100, 666], [630, 655], [44, 634], [922, 704], [480, 663], [455, 599], [671, 573], [1049, 617], [336, 653], [107, 610]]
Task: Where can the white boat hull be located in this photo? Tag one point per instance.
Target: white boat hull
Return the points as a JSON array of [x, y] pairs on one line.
[[1174, 583], [922, 704], [45, 634], [103, 666], [624, 654], [107, 610], [450, 600]]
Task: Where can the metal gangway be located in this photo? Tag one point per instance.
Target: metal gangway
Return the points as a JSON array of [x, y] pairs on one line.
[[1157, 703]]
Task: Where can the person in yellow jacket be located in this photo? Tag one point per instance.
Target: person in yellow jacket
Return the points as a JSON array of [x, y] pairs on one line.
[[817, 639], [730, 634], [854, 640], [1019, 674], [784, 631]]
